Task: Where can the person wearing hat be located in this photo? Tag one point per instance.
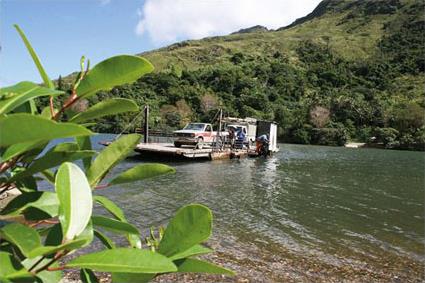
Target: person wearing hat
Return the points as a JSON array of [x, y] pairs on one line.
[[262, 141], [232, 136]]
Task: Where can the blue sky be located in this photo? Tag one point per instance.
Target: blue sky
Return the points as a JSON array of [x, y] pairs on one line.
[[61, 31]]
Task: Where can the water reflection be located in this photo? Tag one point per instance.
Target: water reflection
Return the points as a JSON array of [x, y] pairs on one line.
[[340, 205]]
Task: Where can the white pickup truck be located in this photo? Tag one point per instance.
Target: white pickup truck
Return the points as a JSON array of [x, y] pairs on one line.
[[194, 134]]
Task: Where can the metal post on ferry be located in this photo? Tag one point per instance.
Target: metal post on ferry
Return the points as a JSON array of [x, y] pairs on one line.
[[218, 136], [146, 125]]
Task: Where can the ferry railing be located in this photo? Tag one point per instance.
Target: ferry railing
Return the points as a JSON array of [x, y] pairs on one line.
[[157, 136]]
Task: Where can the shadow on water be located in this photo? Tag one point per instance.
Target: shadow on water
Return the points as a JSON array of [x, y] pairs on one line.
[[163, 158]]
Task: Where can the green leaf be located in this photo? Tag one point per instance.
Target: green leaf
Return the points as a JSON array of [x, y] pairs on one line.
[[16, 95], [29, 156], [87, 276], [24, 237], [35, 58], [27, 184], [43, 201], [125, 260], [195, 250], [49, 176], [106, 241], [10, 92], [54, 157], [81, 73], [132, 277], [27, 107], [45, 113], [35, 214], [141, 172], [112, 72], [84, 143], [44, 276], [111, 207], [196, 265], [108, 107], [70, 245], [54, 241], [190, 226], [11, 269], [114, 225], [111, 156], [75, 198], [20, 148], [23, 128], [133, 239], [87, 125], [54, 236], [82, 240], [50, 276]]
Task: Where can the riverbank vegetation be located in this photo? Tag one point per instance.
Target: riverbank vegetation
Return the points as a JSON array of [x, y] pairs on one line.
[[42, 226], [351, 70]]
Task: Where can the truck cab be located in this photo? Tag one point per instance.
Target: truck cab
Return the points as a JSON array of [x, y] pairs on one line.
[[194, 134]]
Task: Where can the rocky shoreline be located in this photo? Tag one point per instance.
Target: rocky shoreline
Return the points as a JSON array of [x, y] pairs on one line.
[[289, 268]]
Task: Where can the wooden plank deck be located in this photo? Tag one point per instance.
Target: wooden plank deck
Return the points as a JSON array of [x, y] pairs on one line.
[[170, 149]]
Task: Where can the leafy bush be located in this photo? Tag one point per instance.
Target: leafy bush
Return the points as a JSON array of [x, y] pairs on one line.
[[410, 116], [337, 135], [40, 228], [412, 140], [364, 134], [303, 135], [387, 136]]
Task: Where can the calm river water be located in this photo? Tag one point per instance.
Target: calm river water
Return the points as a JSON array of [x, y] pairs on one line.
[[307, 213]]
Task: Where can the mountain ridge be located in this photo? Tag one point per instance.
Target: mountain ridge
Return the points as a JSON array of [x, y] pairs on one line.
[[345, 12], [256, 28], [350, 70]]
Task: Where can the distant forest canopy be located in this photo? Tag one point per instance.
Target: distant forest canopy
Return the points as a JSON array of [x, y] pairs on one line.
[[351, 70]]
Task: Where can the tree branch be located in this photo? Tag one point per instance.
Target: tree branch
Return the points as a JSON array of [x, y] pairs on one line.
[[52, 110], [55, 268], [8, 164], [47, 265], [100, 187], [45, 221], [68, 103]]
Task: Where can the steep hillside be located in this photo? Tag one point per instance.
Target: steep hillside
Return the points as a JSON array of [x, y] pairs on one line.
[[351, 28], [350, 70]]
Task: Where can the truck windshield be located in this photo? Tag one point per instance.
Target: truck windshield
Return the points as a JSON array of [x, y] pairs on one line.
[[194, 127]]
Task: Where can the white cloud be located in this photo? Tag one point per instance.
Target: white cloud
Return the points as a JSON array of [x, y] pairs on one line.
[[166, 21]]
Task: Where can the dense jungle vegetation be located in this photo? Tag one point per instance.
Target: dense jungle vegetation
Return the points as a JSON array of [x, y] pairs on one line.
[[350, 70]]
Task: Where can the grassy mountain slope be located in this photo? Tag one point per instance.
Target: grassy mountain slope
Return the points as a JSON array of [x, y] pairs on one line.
[[348, 70], [351, 28]]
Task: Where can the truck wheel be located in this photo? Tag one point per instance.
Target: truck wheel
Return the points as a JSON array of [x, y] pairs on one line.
[[177, 144]]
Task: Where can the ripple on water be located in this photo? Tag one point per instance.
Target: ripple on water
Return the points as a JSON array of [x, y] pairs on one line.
[[339, 205]]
